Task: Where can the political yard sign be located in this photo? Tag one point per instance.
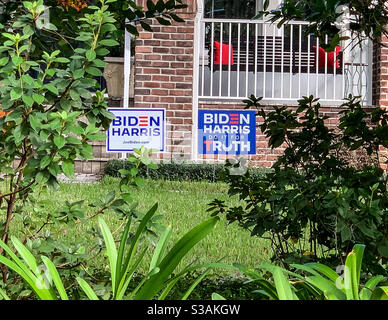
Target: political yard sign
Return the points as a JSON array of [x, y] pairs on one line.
[[231, 132], [133, 128]]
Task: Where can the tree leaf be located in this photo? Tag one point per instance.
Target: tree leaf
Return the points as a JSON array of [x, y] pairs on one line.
[[68, 168]]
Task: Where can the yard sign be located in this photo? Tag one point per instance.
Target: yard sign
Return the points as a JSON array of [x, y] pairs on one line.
[[231, 132], [133, 128]]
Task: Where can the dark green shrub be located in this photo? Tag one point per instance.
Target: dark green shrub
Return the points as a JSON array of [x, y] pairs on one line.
[[315, 204], [179, 171]]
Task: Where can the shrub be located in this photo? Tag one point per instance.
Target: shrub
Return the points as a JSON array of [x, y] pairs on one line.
[[314, 204], [179, 171], [321, 282]]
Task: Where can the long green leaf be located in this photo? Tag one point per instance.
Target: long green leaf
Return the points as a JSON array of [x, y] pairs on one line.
[[195, 284], [168, 287], [325, 270], [174, 257], [87, 289], [128, 275], [4, 295], [17, 261], [160, 248], [151, 273], [327, 287], [26, 255], [283, 286], [55, 277], [350, 277], [134, 245], [19, 267], [268, 288], [359, 251], [380, 293], [111, 250], [120, 256]]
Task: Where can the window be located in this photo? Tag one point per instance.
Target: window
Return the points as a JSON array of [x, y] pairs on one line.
[[236, 9], [231, 9]]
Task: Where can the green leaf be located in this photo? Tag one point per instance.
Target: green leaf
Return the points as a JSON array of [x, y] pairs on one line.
[[327, 287], [131, 252], [282, 285], [108, 43], [87, 289], [45, 161], [62, 60], [196, 283], [16, 93], [77, 74], [351, 280], [4, 61], [38, 98], [28, 100], [174, 257], [359, 251], [68, 168], [111, 250], [55, 277], [26, 255], [325, 270], [91, 55], [370, 286], [51, 88], [160, 248], [94, 71], [17, 61], [120, 257], [216, 296], [59, 141], [4, 295]]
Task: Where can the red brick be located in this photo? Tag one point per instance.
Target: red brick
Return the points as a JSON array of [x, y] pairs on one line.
[[151, 84]]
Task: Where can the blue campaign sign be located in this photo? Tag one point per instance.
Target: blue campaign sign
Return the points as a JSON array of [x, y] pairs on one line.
[[133, 128], [231, 132]]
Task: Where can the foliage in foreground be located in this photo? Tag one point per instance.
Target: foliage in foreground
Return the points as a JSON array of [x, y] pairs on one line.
[[316, 203], [365, 18], [48, 114], [123, 263], [321, 282]]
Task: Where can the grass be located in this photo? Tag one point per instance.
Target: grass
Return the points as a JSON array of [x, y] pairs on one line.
[[181, 204]]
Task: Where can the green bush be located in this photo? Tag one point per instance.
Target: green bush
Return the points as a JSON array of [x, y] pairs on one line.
[[180, 171], [315, 205], [320, 282]]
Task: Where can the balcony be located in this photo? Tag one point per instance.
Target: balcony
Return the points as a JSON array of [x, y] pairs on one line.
[[238, 58]]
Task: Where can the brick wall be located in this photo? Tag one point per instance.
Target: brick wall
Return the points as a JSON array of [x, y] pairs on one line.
[[164, 76], [164, 79], [380, 84]]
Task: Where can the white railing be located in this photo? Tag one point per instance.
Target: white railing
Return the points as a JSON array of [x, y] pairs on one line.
[[279, 64]]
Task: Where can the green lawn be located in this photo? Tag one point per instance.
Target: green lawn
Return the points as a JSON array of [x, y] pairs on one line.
[[181, 204]]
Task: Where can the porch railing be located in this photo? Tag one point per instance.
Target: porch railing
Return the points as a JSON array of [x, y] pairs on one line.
[[238, 58]]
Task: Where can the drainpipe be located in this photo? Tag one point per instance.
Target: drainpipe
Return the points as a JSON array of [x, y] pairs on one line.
[[127, 71], [197, 46]]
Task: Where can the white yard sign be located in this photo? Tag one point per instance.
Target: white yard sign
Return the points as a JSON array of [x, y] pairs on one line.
[[133, 128]]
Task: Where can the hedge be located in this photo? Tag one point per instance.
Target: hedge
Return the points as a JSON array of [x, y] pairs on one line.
[[179, 171]]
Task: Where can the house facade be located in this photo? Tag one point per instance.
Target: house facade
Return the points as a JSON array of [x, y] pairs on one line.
[[220, 56]]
